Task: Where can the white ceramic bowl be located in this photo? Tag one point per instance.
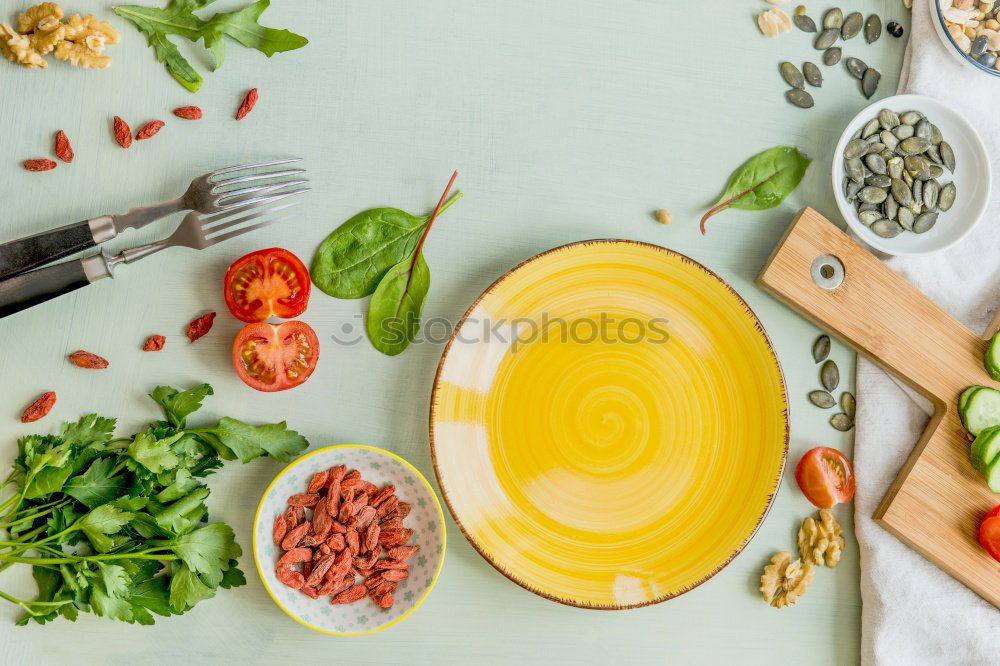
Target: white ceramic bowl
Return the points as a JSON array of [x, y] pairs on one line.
[[937, 18], [426, 519], [972, 178]]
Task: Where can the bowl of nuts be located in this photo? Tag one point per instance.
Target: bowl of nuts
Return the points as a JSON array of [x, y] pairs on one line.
[[911, 175], [349, 539], [970, 31]]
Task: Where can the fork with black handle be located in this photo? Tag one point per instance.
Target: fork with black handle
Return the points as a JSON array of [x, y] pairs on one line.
[[197, 231], [213, 192]]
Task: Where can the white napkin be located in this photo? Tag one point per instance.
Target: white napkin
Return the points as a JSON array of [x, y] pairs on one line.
[[913, 612]]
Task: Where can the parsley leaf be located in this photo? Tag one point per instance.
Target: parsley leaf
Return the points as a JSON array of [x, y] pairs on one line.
[[96, 486], [247, 441], [178, 405], [153, 454], [208, 550], [186, 589]]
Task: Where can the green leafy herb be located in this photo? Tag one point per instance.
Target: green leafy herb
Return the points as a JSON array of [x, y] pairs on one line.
[[120, 527], [763, 181], [178, 18], [352, 260]]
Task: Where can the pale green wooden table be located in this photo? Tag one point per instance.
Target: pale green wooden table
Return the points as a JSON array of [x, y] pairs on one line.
[[567, 121]]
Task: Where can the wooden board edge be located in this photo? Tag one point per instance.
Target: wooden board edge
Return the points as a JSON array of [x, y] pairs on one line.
[[781, 242], [932, 429]]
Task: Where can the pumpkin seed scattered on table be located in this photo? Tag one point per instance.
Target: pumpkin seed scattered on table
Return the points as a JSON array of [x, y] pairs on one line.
[[821, 399], [813, 76], [873, 28], [826, 39], [833, 19], [792, 76], [802, 21], [842, 422], [847, 403], [821, 348], [829, 376], [800, 98], [852, 25], [869, 82], [831, 56], [856, 67], [891, 171]]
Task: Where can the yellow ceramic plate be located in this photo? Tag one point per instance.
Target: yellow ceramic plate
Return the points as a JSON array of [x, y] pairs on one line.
[[609, 424]]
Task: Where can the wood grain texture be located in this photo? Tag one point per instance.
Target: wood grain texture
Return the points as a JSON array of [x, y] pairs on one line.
[[938, 499]]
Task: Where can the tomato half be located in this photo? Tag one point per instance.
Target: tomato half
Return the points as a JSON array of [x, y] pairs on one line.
[[265, 283], [989, 533], [825, 477], [275, 357]]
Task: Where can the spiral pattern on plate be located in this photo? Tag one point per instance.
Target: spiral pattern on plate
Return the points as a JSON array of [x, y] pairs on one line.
[[609, 424]]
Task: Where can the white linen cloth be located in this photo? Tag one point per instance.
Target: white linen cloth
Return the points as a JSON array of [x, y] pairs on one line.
[[914, 613]]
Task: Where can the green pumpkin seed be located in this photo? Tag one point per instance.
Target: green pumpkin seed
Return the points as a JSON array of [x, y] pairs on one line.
[[821, 399], [875, 163], [947, 196], [932, 191], [947, 155], [792, 76], [852, 25], [923, 129], [911, 118], [924, 222], [833, 19], [855, 148], [887, 228], [831, 56], [826, 39], [804, 23], [847, 403], [888, 119], [895, 167], [890, 208], [821, 348], [905, 218], [869, 83], [918, 191], [851, 189], [813, 76], [936, 137], [915, 145], [855, 170], [842, 422], [873, 28], [889, 139], [872, 195], [869, 217], [800, 98], [829, 376], [870, 128], [904, 131], [900, 192], [918, 167], [856, 67], [879, 180]]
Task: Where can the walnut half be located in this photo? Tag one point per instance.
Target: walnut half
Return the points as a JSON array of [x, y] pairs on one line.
[[784, 581], [821, 541]]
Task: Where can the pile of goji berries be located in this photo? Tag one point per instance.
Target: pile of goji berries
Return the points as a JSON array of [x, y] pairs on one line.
[[352, 524]]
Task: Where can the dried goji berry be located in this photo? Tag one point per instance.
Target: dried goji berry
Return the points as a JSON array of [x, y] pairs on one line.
[[154, 343], [63, 149], [295, 535], [39, 408], [382, 495], [371, 536], [39, 165], [401, 552], [350, 595], [149, 129], [294, 556], [200, 326], [304, 499], [247, 105], [85, 359], [404, 509], [123, 133], [317, 481], [351, 538], [280, 529], [188, 112], [383, 601], [292, 579], [395, 574]]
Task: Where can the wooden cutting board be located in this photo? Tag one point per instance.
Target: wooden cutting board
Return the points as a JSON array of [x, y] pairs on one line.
[[938, 499]]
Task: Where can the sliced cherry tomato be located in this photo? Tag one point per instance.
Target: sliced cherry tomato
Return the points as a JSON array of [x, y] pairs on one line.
[[265, 283], [989, 533], [275, 357], [825, 477]]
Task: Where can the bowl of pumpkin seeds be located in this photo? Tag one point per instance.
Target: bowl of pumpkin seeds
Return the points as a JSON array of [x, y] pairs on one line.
[[911, 175]]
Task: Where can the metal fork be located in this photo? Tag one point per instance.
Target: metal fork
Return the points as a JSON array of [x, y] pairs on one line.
[[197, 231], [213, 192]]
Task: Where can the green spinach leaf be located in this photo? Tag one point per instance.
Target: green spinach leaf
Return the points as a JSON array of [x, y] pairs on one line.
[[354, 258], [394, 312], [762, 182]]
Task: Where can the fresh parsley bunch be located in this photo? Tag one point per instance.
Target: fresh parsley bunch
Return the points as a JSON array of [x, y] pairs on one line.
[[119, 527]]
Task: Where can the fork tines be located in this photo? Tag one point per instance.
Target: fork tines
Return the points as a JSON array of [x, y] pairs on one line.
[[230, 220], [268, 184]]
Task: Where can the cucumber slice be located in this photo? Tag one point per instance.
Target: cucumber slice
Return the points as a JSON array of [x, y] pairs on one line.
[[992, 360], [986, 448], [982, 410], [993, 475], [964, 398]]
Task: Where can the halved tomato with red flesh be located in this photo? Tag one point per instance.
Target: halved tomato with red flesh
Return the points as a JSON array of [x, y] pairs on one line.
[[275, 357], [265, 283], [825, 477], [989, 533]]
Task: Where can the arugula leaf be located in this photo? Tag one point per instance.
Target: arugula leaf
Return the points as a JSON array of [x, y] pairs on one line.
[[208, 550], [153, 454], [186, 589], [247, 442], [178, 405], [354, 258], [96, 486], [242, 25]]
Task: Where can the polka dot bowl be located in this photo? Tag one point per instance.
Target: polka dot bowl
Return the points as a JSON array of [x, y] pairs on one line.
[[426, 519]]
